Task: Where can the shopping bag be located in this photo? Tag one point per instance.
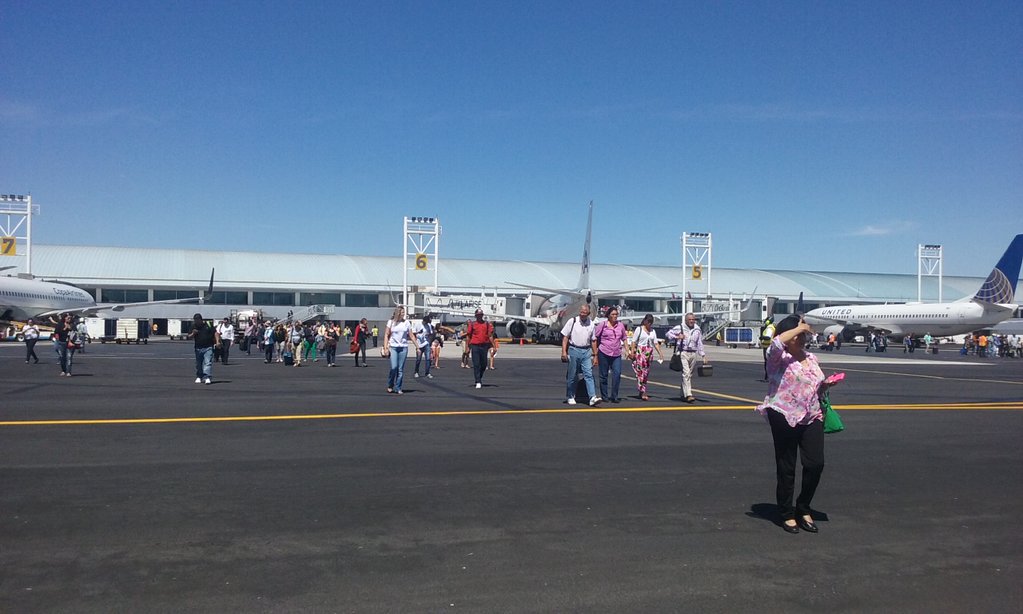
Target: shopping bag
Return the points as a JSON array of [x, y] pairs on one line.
[[832, 421], [676, 362]]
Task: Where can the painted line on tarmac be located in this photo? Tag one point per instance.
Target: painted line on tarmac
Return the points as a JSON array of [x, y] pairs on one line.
[[1001, 406], [941, 377]]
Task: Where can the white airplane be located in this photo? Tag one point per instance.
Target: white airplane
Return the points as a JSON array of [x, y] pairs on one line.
[[563, 303], [993, 303], [21, 299]]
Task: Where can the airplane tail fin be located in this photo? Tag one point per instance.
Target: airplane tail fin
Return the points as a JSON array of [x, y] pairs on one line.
[[800, 307], [1000, 285], [584, 272]]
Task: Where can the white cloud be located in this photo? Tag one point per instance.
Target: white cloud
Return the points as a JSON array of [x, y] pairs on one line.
[[882, 229]]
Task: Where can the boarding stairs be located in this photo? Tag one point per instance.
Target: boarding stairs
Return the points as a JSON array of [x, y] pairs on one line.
[[312, 312]]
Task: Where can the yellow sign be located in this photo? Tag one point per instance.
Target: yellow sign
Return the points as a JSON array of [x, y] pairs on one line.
[[421, 262], [8, 246], [697, 271]]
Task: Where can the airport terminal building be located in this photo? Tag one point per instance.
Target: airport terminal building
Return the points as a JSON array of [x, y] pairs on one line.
[[355, 287]]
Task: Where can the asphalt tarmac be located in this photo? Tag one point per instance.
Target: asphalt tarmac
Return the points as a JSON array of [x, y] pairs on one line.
[[276, 489]]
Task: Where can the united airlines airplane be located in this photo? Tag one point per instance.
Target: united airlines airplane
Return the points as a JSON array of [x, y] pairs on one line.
[[993, 303]]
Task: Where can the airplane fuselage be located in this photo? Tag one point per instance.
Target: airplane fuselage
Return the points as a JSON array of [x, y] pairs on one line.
[[938, 319], [560, 308], [21, 299]]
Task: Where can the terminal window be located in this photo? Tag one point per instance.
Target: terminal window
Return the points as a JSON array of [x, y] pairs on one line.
[[119, 295], [319, 298], [362, 300], [171, 295], [228, 298], [273, 298]]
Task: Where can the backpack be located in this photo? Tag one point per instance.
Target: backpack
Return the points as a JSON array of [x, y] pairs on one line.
[[74, 340]]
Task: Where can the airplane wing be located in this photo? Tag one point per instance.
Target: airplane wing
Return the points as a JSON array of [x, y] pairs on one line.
[[493, 317], [94, 309], [581, 294]]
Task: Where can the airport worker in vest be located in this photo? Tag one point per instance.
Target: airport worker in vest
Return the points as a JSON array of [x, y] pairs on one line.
[[688, 340], [579, 350], [481, 338]]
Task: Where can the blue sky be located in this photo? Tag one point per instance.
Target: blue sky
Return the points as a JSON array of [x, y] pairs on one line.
[[803, 135]]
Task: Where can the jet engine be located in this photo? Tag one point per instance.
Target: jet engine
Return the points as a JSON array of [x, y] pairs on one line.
[[517, 329]]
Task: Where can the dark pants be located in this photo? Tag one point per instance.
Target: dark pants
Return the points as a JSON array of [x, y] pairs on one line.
[[268, 349], [612, 365], [479, 360], [225, 350], [362, 349], [809, 440], [30, 350], [331, 351]]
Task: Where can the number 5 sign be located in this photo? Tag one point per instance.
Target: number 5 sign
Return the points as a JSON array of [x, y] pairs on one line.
[[8, 246]]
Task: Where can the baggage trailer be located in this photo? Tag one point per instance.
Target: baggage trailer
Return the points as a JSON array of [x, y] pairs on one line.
[[175, 330], [736, 335], [131, 330], [101, 330]]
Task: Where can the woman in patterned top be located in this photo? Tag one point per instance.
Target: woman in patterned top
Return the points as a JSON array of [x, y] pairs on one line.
[[641, 351], [792, 408]]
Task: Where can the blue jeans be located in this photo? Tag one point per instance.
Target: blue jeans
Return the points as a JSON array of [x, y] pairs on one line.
[[579, 358], [65, 355], [612, 364], [424, 353], [397, 374], [204, 362]]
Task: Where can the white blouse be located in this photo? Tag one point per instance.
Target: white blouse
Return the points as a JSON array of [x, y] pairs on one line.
[[400, 332], [642, 338]]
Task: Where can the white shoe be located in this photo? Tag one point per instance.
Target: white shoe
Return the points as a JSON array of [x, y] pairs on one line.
[[429, 375], [479, 385], [208, 381], [594, 401], [416, 375], [571, 401], [198, 380]]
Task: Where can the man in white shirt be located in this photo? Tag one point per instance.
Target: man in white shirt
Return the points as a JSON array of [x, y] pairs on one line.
[[31, 336], [226, 330], [579, 350], [689, 343]]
